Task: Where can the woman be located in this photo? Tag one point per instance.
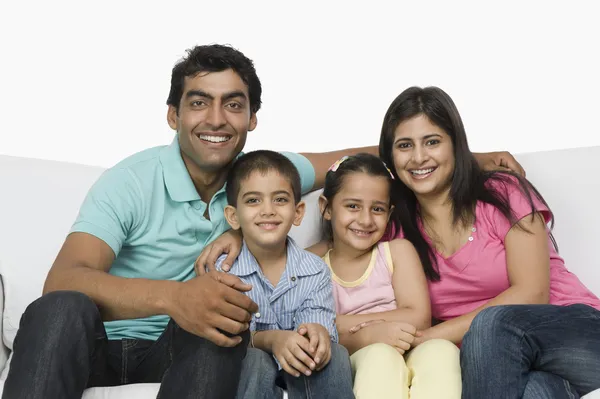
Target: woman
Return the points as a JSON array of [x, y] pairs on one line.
[[528, 327]]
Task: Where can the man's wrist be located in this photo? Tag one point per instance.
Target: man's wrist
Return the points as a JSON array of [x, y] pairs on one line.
[[167, 297]]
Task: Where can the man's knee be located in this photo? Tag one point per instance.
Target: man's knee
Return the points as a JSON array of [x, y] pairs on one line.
[[59, 308]]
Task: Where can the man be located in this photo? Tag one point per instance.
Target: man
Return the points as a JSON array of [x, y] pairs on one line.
[[122, 303]]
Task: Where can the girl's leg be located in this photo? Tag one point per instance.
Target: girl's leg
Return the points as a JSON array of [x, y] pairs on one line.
[[506, 343], [542, 385], [379, 373], [435, 370]]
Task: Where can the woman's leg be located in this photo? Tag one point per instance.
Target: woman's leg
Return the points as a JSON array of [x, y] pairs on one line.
[[542, 385], [435, 370], [506, 343], [379, 373]]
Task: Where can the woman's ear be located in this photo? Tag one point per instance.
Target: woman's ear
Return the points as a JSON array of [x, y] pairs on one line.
[[324, 208], [231, 216]]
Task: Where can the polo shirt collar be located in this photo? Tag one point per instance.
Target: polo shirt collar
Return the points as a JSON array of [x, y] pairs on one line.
[[177, 178], [296, 264]]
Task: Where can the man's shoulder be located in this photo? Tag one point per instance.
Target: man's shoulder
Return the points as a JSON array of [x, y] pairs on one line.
[[140, 160]]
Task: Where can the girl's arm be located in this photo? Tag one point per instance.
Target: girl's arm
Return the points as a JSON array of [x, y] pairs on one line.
[[528, 265], [320, 248], [410, 290]]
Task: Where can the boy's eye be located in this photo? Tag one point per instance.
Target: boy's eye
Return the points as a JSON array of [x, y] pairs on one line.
[[252, 201], [352, 206], [281, 199]]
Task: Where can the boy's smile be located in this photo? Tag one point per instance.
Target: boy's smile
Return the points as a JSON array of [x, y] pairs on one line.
[[266, 210]]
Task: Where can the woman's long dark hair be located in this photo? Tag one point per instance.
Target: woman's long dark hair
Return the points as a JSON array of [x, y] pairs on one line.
[[470, 183]]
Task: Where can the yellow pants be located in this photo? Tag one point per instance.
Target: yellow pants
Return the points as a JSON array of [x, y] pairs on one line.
[[429, 371]]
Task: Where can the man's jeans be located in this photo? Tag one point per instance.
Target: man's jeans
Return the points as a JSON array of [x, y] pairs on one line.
[[61, 349], [260, 374], [532, 351]]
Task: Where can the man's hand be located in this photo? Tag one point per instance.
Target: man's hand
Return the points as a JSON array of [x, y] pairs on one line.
[[211, 304], [320, 343], [501, 160], [291, 351], [229, 243], [394, 333]]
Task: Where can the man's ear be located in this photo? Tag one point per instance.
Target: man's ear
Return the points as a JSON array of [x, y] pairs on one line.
[[172, 117], [300, 210], [231, 216], [324, 208], [253, 122]]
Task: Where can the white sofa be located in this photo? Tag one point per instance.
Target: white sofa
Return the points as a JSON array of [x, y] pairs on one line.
[[40, 199]]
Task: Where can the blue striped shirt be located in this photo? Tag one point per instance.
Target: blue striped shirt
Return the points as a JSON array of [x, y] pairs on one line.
[[304, 293]]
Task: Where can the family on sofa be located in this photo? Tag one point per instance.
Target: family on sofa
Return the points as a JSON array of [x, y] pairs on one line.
[[438, 275]]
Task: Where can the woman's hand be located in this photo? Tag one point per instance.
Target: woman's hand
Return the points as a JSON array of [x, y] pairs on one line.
[[229, 243]]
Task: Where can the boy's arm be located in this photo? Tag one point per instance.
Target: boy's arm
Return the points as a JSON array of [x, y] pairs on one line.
[[410, 290], [319, 305]]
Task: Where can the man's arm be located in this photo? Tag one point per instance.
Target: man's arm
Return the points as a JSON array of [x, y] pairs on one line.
[[321, 162], [82, 265]]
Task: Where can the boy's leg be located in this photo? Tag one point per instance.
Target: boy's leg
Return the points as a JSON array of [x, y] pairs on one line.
[[435, 370], [379, 372], [332, 382], [60, 349], [259, 375], [201, 369]]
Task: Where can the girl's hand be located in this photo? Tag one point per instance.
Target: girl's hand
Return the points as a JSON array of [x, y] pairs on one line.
[[394, 333], [320, 343], [229, 243]]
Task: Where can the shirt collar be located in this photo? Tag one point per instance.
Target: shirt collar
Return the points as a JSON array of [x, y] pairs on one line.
[[299, 262], [177, 178]]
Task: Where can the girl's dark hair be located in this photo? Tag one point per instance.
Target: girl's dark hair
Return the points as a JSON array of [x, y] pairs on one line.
[[359, 163], [470, 183]]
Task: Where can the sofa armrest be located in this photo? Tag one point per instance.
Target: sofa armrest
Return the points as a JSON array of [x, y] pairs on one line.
[[4, 352]]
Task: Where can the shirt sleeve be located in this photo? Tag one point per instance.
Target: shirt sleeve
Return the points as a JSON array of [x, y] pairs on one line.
[[111, 208], [319, 307], [305, 169], [520, 206]]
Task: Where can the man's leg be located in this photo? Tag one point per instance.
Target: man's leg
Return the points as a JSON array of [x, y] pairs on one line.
[[334, 381], [60, 349], [201, 369], [506, 343], [542, 385], [258, 378]]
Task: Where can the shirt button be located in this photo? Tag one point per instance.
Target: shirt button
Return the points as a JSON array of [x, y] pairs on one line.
[[473, 229], [257, 315], [293, 279], [470, 238]]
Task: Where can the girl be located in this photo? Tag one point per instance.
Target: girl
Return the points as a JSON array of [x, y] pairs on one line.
[[483, 240], [383, 282]]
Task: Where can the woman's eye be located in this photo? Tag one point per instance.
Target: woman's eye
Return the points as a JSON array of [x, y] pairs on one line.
[[404, 145], [433, 142]]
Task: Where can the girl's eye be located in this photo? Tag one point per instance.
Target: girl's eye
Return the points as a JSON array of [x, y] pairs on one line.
[[379, 209], [352, 206]]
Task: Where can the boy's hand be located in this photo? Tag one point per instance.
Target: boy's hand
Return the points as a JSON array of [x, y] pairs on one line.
[[291, 351], [320, 343]]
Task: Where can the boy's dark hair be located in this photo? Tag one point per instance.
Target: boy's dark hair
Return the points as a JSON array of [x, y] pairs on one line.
[[214, 58], [261, 161], [470, 183], [334, 180]]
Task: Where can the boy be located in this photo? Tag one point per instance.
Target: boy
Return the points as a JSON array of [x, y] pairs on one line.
[[295, 322]]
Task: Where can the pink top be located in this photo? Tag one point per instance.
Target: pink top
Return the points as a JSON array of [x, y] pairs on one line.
[[373, 291], [477, 272]]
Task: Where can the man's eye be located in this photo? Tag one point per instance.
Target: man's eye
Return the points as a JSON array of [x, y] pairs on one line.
[[198, 103], [234, 105]]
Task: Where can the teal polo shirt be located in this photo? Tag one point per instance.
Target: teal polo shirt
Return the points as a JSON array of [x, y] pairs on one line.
[[148, 211]]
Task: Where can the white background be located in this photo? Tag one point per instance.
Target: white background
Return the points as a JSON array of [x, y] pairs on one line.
[[87, 82]]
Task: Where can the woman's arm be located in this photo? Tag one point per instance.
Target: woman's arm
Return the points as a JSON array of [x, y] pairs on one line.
[[410, 290], [528, 264]]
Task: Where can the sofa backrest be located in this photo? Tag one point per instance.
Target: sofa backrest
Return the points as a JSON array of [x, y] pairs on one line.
[[40, 200]]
